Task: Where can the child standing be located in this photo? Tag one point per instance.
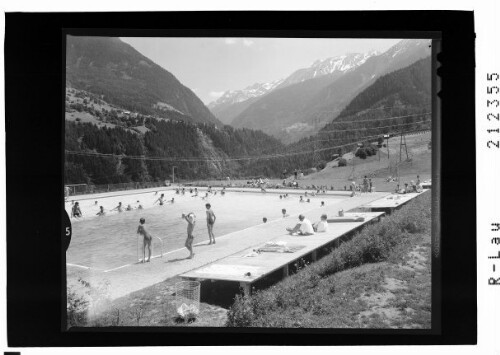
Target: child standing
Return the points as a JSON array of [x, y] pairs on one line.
[[191, 220], [210, 223], [141, 230]]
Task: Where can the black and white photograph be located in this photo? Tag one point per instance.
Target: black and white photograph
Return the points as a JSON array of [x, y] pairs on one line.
[[256, 182]]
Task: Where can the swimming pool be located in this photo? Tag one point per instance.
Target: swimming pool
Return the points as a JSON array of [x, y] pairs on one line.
[[111, 241]]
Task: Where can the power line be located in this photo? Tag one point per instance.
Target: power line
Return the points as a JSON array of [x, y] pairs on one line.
[[363, 139], [339, 139], [380, 119], [370, 109], [365, 128]]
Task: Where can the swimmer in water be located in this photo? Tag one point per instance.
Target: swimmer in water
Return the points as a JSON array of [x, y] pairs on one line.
[[301, 199], [75, 211], [129, 208], [160, 200], [101, 211], [119, 208], [322, 203], [284, 213], [264, 220]]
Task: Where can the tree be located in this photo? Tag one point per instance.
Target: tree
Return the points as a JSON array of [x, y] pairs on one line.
[[361, 153]]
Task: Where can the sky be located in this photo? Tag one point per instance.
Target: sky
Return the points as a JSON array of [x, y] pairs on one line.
[[211, 66]]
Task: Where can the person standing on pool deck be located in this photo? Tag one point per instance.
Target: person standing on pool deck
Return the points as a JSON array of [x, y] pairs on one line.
[[210, 223], [191, 219], [147, 240]]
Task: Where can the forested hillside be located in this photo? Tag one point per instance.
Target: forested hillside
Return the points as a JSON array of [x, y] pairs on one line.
[[120, 75], [197, 150]]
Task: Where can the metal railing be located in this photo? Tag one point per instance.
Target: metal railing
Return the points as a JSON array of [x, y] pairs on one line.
[[93, 189]]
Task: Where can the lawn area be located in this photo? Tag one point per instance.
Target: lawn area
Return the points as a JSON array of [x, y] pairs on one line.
[[381, 278]]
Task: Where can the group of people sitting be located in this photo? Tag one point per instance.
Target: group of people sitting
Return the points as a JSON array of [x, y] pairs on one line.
[[305, 227], [411, 187]]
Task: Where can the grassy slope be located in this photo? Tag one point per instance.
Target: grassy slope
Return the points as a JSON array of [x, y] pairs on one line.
[[356, 168], [379, 279]]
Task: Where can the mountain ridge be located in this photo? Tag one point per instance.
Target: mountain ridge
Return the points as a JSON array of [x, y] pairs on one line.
[[311, 104], [113, 69]]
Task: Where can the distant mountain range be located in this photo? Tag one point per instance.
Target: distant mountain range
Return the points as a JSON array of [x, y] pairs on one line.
[[308, 99], [122, 76], [233, 102]]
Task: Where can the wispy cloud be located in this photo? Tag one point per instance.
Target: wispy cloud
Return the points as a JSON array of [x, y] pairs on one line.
[[215, 94]]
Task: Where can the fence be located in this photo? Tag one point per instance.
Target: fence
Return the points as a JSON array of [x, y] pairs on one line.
[[82, 189]]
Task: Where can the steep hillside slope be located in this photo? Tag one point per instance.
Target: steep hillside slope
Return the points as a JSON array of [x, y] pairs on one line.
[[108, 67]]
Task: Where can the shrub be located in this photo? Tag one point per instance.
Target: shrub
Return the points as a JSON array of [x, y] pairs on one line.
[[321, 165], [361, 153], [342, 162], [76, 308], [241, 312]]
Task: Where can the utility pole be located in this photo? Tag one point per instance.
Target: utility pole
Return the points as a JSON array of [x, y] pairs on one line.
[[173, 174], [401, 144]]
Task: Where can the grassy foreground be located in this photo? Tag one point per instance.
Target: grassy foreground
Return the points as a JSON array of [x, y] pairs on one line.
[[381, 278]]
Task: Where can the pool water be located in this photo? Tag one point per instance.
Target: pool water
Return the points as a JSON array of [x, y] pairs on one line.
[[111, 241]]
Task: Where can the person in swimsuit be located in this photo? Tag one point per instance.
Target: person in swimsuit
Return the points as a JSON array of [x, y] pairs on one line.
[[191, 220], [101, 211], [160, 200], [141, 230], [284, 213], [210, 223], [118, 208], [75, 211]]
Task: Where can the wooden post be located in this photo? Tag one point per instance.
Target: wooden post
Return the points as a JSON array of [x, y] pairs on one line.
[[247, 290], [314, 255], [285, 271]]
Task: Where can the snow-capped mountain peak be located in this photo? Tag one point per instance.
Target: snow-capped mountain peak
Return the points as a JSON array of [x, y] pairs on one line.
[[339, 64], [333, 65], [235, 96]]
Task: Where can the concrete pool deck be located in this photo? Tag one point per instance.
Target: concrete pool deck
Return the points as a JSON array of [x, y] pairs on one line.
[[133, 277]]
